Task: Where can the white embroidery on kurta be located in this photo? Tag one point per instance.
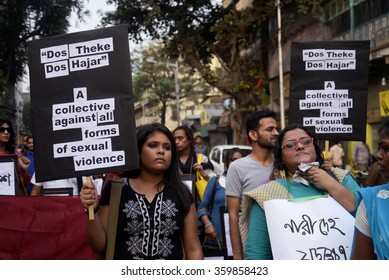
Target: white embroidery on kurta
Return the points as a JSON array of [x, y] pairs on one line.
[[150, 231], [132, 209], [169, 208]]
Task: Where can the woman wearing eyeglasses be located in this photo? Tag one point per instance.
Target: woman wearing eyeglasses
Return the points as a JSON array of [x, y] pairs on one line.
[[8, 148], [295, 145]]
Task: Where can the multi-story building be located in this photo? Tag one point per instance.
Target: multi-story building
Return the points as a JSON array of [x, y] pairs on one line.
[[364, 20], [336, 20], [343, 20]]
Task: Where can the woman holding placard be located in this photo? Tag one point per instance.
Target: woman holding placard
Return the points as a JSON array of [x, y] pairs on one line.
[[8, 148], [157, 216], [371, 237], [297, 161]]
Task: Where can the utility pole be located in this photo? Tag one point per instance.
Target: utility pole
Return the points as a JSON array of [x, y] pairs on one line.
[[280, 68], [177, 93], [352, 20]]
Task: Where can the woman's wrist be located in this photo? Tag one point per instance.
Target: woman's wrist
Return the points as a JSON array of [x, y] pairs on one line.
[[207, 225]]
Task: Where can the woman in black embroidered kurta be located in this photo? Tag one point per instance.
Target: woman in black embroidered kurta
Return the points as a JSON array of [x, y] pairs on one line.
[[157, 217], [148, 230]]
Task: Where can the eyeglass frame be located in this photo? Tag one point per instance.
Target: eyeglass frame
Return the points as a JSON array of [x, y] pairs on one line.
[[297, 142], [3, 129]]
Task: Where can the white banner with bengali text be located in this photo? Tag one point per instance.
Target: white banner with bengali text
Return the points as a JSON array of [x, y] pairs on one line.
[[309, 229]]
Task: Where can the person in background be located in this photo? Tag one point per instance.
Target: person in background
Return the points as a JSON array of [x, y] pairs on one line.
[[295, 145], [200, 148], [22, 147], [337, 153], [361, 157], [157, 217], [249, 172], [371, 235], [183, 138], [375, 177], [30, 155], [212, 223], [38, 188], [8, 148], [189, 165]]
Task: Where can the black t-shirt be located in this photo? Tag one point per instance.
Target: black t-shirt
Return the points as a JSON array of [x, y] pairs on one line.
[[145, 230], [187, 167]]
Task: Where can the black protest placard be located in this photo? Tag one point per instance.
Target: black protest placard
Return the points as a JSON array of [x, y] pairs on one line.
[[328, 88], [82, 104]]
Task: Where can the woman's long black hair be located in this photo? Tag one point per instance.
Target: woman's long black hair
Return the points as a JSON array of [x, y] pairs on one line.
[[171, 177], [229, 155], [278, 162], [11, 144]]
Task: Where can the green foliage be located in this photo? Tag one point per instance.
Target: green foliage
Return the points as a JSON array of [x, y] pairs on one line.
[[200, 30], [24, 20], [20, 22], [154, 80]]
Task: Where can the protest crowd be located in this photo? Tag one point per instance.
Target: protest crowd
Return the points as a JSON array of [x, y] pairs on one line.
[[272, 171], [150, 193]]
